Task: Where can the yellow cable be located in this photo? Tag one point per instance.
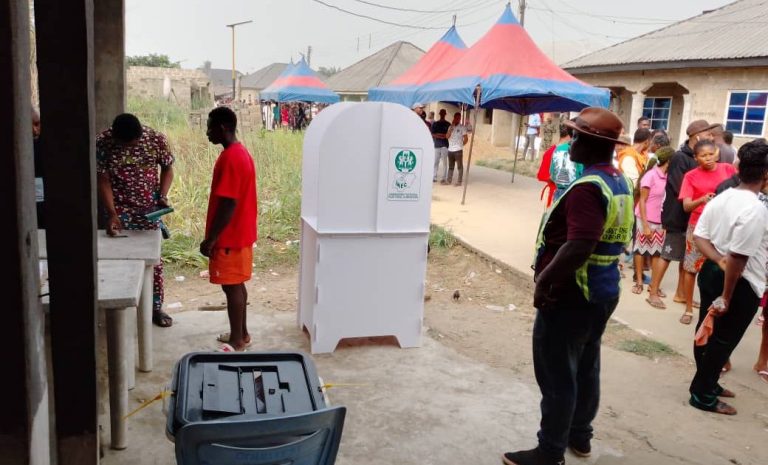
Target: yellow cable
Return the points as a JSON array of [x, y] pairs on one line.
[[146, 404]]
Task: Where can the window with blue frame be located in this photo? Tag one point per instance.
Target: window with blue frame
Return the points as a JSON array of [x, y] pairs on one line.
[[657, 109], [746, 112]]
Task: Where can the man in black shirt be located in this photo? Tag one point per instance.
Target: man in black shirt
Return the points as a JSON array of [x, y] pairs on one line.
[[440, 136]]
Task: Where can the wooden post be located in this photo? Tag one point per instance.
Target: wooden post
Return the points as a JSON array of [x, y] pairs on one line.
[[24, 432], [478, 91], [65, 63]]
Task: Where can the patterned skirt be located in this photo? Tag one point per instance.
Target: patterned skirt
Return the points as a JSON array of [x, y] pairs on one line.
[[649, 246]]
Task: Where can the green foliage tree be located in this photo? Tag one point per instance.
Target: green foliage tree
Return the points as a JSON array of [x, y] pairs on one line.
[[153, 60], [328, 72]]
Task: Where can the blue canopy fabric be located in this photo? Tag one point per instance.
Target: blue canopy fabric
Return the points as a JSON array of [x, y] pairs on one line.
[[510, 71]]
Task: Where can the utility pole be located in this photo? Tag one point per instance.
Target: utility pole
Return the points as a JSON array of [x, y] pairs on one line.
[[234, 73], [521, 13], [309, 56]]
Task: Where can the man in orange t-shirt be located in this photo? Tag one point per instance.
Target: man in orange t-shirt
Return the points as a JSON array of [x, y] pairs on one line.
[[230, 229]]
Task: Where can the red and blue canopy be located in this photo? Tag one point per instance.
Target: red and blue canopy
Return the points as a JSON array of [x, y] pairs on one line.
[[446, 51], [298, 83], [511, 72]]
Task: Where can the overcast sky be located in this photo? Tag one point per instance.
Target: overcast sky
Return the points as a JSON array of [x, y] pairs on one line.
[[192, 31]]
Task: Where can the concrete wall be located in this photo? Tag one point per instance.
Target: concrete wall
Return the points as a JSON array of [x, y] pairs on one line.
[[707, 91], [185, 84]]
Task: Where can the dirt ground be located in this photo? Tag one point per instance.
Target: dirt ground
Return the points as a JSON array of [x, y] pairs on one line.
[[644, 414]]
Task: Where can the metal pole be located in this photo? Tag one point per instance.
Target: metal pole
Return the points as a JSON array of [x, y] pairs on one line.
[[471, 144], [234, 73], [522, 13], [517, 146]]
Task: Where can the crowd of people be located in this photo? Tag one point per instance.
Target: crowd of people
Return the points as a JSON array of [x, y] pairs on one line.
[[295, 116], [702, 205]]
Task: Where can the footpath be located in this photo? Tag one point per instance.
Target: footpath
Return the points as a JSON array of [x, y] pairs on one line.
[[500, 220]]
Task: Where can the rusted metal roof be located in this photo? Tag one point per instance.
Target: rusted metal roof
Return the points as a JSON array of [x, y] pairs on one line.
[[733, 35]]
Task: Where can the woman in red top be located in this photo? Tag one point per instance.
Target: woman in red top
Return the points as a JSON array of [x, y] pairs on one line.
[[698, 188]]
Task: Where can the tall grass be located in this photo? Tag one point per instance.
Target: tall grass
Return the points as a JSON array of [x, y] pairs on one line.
[[278, 165]]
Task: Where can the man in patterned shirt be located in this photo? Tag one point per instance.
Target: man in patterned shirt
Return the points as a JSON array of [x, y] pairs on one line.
[[128, 155]]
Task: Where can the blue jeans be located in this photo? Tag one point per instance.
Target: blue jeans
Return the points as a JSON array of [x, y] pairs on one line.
[[566, 359], [441, 153]]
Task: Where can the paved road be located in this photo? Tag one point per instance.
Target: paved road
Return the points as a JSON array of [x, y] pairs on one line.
[[501, 219]]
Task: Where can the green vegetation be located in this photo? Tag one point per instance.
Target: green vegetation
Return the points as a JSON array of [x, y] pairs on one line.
[[158, 114], [646, 347], [524, 168], [441, 238], [278, 164], [153, 60]]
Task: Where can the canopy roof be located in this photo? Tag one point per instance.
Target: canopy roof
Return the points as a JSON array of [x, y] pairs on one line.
[[298, 83], [438, 59], [511, 72]]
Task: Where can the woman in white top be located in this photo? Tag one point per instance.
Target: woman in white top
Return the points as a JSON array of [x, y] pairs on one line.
[[732, 233]]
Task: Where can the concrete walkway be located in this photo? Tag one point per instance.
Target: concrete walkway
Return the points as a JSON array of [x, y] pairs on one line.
[[501, 219]]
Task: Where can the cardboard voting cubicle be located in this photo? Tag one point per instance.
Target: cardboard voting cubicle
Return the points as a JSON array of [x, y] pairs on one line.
[[366, 194]]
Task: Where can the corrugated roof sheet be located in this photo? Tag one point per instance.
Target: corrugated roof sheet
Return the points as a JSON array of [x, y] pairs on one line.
[[262, 78], [737, 30], [380, 68]]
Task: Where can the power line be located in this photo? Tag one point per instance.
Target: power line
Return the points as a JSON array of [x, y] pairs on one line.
[[360, 15], [387, 7]]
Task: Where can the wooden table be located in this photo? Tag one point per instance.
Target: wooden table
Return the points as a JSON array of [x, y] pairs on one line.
[[130, 245], [119, 289]]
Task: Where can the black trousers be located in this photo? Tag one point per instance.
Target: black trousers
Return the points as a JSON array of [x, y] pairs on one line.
[[566, 359], [728, 330], [455, 158]]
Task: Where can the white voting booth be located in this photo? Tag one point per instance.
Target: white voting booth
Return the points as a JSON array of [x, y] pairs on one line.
[[366, 194]]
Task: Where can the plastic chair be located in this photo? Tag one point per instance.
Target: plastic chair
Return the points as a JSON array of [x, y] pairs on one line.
[[306, 439]]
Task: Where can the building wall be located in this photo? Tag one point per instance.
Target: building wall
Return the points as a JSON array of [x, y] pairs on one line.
[[707, 89], [185, 84]]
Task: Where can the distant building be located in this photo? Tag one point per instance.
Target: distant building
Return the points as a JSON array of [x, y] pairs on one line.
[[221, 81], [186, 87], [353, 82], [713, 66], [252, 84]]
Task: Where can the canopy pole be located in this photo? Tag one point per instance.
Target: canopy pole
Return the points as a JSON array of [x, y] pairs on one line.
[[471, 143], [517, 146]]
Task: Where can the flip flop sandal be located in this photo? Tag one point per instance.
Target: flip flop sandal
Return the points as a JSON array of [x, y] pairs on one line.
[[162, 319], [659, 304], [228, 349], [686, 318], [637, 289], [763, 375], [224, 337], [661, 294]]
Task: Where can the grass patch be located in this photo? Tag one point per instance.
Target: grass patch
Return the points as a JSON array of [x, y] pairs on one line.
[[278, 165], [524, 168], [441, 238], [646, 348]]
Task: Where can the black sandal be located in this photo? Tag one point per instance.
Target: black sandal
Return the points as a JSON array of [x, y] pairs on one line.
[[162, 319]]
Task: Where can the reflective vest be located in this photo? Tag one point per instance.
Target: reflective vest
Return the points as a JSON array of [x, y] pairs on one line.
[[599, 277]]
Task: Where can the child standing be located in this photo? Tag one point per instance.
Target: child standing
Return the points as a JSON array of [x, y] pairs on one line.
[[698, 188]]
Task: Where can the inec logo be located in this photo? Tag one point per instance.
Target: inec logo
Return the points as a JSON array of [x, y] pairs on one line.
[[405, 161]]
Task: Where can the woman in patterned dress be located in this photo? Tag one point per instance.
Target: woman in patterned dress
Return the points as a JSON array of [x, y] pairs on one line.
[[128, 156]]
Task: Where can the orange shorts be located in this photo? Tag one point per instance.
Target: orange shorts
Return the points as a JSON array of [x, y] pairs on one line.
[[230, 266]]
